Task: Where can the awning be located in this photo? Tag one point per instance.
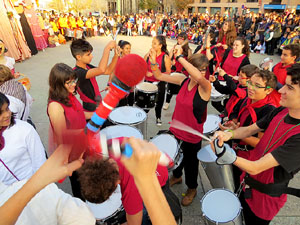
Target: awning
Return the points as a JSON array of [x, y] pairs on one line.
[[298, 7], [268, 6]]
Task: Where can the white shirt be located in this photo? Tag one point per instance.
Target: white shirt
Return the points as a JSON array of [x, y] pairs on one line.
[[23, 152], [50, 206], [10, 62]]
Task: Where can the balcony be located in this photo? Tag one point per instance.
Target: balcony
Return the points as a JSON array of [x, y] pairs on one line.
[[275, 2], [216, 1]]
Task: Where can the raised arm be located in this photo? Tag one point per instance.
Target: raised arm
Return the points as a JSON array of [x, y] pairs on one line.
[[103, 62], [142, 165], [54, 169]]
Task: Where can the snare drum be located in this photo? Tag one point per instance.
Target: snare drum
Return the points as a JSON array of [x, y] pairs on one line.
[[216, 96], [220, 206], [219, 176], [145, 95], [211, 124], [121, 131], [169, 145], [111, 210], [128, 115]]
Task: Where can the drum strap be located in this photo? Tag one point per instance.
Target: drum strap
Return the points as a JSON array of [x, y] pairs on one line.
[[274, 190]]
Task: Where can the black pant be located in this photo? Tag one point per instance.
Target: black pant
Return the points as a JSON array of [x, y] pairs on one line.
[[160, 98], [190, 164], [172, 89], [249, 216], [220, 105]]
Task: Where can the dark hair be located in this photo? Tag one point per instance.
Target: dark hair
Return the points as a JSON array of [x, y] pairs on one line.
[[198, 60], [294, 48], [5, 74], [3, 100], [98, 179], [249, 70], [294, 72], [59, 75], [123, 43], [162, 40], [246, 49], [183, 35], [79, 47], [267, 76]]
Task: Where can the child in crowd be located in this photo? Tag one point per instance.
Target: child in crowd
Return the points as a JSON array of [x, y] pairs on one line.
[[259, 48], [88, 88]]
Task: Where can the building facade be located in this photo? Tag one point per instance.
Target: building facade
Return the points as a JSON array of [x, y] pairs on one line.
[[237, 6]]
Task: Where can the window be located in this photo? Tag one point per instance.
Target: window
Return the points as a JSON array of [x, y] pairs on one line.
[[252, 0], [214, 1], [232, 1], [202, 1]]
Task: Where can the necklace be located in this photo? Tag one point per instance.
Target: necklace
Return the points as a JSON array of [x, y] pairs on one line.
[[268, 148]]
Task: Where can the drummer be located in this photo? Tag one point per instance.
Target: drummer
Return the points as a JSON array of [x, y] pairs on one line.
[[177, 67], [99, 178], [275, 159], [237, 92], [125, 49], [290, 54], [163, 64], [191, 109], [253, 108], [233, 60]]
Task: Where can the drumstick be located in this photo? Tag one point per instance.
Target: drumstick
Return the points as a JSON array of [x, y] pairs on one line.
[[181, 126]]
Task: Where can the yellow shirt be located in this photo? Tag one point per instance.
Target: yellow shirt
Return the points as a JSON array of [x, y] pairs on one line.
[[54, 27]]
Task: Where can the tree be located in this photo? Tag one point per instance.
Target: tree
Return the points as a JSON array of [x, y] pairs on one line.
[[182, 4], [148, 4], [57, 5]]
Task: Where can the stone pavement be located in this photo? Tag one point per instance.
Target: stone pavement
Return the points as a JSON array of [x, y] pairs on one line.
[[38, 68]]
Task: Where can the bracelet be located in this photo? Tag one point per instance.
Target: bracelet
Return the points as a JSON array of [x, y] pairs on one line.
[[207, 47], [154, 64], [177, 58], [232, 133]]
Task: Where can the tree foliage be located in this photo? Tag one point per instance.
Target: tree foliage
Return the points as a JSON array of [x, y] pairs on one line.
[[182, 4], [148, 4], [57, 5]]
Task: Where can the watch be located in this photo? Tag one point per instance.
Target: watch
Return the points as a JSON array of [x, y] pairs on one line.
[[179, 57]]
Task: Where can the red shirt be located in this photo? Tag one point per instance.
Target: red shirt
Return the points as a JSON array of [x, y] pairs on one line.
[[131, 199], [280, 72]]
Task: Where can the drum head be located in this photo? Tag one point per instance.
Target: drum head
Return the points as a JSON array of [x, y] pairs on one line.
[[211, 124], [215, 93], [121, 131], [207, 155], [127, 115], [147, 87], [178, 74], [107, 208], [220, 206], [167, 144]]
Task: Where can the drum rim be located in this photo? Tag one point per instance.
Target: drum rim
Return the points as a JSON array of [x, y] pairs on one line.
[[120, 209], [123, 125], [177, 144], [145, 91], [214, 130], [218, 189], [131, 124]]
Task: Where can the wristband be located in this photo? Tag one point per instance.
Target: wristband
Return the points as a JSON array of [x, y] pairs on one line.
[[177, 58], [154, 64], [232, 133], [207, 47]]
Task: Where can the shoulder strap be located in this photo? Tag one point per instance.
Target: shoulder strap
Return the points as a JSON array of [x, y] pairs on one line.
[[163, 66], [274, 190]]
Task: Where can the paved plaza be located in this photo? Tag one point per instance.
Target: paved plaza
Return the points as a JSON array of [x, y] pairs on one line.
[[37, 68]]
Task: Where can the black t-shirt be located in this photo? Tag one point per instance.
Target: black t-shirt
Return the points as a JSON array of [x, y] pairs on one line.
[[84, 84], [288, 154]]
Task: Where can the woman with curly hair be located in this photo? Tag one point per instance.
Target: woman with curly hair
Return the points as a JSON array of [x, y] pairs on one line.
[[65, 112], [227, 35]]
